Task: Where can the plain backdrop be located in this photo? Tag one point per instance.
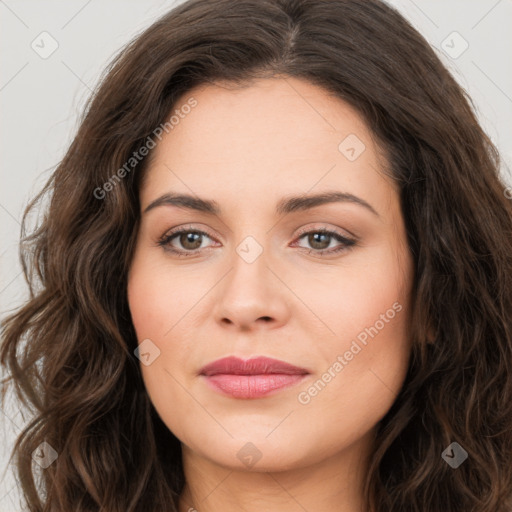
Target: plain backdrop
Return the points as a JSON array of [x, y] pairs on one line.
[[54, 51]]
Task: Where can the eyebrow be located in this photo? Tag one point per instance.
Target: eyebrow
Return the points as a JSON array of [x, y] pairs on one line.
[[286, 205]]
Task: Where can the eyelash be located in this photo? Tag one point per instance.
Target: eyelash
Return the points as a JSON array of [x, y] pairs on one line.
[[347, 243]]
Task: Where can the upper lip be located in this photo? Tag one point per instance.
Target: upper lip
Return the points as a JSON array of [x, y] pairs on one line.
[[255, 366]]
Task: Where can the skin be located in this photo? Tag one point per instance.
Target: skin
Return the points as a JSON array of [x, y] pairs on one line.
[[247, 148]]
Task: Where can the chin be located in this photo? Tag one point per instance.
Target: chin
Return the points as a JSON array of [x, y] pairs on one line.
[[257, 453]]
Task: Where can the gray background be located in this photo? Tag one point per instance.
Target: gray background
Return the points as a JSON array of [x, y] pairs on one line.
[[41, 96]]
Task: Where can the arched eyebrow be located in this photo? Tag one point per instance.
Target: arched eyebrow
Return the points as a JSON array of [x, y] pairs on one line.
[[286, 205]]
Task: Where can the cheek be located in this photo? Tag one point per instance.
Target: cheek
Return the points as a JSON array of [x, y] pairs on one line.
[[163, 303], [155, 309], [350, 300], [159, 298], [366, 352]]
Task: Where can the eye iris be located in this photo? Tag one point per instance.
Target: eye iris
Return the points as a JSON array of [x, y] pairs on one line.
[[193, 238], [313, 239]]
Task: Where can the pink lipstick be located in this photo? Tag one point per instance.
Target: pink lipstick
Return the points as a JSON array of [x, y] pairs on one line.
[[253, 378]]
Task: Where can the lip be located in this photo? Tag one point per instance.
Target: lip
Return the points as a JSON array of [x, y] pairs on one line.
[[252, 378]]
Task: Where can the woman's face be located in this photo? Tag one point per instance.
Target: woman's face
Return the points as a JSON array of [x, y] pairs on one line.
[[265, 282]]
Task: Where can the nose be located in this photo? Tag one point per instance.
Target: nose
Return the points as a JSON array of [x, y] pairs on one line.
[[252, 296]]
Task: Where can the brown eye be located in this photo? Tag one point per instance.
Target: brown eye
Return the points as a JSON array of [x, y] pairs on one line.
[[190, 240], [319, 241], [184, 242]]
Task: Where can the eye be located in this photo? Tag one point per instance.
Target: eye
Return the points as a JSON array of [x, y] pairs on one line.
[[191, 241], [321, 241]]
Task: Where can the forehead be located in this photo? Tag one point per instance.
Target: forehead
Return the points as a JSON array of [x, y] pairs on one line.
[[282, 134], [287, 115]]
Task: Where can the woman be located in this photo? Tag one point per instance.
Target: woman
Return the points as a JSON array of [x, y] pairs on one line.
[[275, 274]]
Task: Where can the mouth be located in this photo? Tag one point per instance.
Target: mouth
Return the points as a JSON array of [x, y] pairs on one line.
[[252, 378]]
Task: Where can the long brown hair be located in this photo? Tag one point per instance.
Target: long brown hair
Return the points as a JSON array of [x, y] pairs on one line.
[[70, 349]]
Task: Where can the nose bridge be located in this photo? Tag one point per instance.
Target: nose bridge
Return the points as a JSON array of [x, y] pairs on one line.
[[251, 290], [250, 274]]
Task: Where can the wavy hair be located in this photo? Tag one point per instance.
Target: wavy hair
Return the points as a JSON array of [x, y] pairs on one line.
[[69, 350]]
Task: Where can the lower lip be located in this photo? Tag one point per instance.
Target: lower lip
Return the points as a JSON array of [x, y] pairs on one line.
[[251, 386]]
